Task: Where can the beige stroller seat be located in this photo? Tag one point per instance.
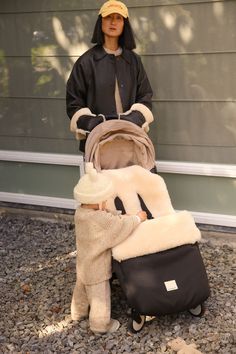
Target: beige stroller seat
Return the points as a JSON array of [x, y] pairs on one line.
[[118, 143]]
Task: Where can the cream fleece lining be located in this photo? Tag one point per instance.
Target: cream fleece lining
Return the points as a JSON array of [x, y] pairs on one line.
[[167, 230], [133, 180], [157, 235]]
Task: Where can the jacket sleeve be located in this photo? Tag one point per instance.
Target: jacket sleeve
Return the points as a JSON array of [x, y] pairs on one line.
[[144, 90], [119, 227], [82, 119], [140, 112], [76, 89]]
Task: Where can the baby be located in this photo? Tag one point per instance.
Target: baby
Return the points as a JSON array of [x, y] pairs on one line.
[[97, 232]]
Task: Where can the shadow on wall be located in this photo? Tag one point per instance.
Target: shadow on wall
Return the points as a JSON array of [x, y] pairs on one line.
[[54, 41], [39, 50]]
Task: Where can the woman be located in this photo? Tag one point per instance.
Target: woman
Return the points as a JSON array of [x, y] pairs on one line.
[[109, 81]]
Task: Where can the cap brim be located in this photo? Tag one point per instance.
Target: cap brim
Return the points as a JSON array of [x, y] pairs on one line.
[[105, 14]]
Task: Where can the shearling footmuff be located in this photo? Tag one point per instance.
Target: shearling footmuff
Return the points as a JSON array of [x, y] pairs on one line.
[[159, 267], [166, 282]]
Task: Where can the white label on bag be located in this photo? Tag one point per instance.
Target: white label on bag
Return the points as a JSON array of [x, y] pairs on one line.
[[171, 285]]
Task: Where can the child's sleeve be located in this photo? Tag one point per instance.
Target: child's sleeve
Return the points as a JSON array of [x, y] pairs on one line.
[[119, 227]]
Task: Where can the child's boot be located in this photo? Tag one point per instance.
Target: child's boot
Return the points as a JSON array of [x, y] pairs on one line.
[[113, 326], [79, 303], [110, 328]]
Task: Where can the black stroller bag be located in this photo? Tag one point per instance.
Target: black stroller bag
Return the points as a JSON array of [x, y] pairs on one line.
[[165, 282]]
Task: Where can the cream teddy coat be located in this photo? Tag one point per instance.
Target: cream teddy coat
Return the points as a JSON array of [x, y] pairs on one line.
[[97, 231]]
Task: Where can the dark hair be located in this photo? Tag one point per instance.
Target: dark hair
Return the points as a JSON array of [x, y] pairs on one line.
[[126, 40]]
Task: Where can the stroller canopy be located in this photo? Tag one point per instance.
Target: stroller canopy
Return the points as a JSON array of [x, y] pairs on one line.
[[116, 144]]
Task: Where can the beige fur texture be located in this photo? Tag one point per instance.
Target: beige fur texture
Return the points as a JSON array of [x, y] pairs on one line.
[[133, 180], [167, 230], [79, 133], [157, 235]]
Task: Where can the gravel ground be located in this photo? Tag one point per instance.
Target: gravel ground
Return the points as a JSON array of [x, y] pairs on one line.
[[37, 274]]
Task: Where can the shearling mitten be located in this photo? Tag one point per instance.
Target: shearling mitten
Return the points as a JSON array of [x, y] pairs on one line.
[[83, 121], [138, 114], [179, 345], [135, 117], [88, 122]]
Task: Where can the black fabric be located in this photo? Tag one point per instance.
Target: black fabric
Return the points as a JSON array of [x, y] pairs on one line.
[[145, 208], [82, 144], [143, 280], [154, 170], [119, 206], [111, 116], [87, 122], [135, 117]]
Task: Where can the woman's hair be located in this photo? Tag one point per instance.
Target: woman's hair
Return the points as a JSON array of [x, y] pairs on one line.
[[126, 39]]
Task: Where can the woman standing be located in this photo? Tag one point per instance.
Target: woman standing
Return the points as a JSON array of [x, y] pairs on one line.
[[109, 81]]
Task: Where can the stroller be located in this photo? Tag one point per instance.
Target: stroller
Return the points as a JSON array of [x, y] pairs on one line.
[[159, 267]]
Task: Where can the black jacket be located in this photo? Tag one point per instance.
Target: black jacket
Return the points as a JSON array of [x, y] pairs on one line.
[[92, 82]]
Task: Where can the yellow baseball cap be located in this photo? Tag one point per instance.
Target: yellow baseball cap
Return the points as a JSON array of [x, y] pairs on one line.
[[113, 6]]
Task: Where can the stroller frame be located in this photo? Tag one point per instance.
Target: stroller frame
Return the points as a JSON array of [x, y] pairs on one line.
[[151, 283]]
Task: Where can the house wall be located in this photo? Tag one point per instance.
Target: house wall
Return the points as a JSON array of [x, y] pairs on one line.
[[189, 52]]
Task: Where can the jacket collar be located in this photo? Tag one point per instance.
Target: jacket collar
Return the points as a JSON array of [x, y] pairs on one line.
[[100, 53]]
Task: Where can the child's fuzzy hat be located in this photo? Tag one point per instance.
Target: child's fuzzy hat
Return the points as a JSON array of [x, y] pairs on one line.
[[93, 187]]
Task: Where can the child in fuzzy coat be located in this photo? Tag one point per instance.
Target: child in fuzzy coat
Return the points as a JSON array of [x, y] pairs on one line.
[[97, 231]]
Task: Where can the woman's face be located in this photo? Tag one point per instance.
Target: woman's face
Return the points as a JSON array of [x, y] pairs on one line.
[[112, 25]]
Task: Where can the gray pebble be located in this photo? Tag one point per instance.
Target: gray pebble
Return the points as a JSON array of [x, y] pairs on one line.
[[36, 252]]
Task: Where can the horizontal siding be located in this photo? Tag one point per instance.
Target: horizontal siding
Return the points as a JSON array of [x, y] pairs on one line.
[[201, 139], [183, 123], [216, 194], [185, 153], [173, 77], [188, 48], [37, 118], [209, 194], [191, 27], [34, 179], [74, 5]]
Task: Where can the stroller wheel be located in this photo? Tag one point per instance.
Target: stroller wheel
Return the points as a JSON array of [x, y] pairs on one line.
[[136, 322], [197, 311]]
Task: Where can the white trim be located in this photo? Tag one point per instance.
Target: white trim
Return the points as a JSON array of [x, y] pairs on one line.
[[175, 167], [44, 158], [193, 168], [37, 200], [64, 203], [214, 219]]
